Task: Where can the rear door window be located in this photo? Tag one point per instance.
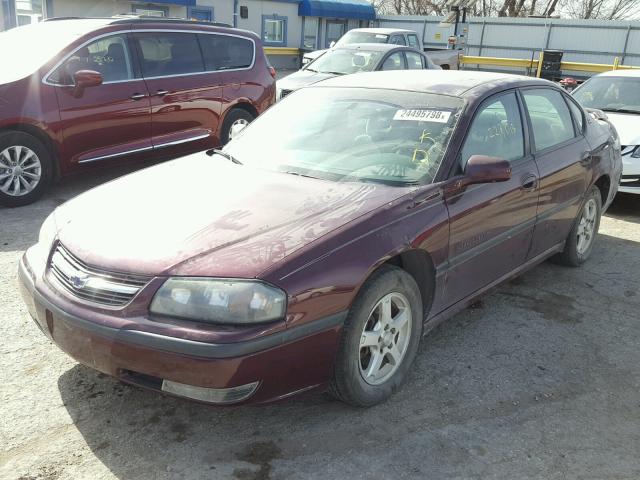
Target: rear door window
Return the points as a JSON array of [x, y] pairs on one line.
[[165, 54], [224, 52], [414, 61], [550, 117], [109, 55]]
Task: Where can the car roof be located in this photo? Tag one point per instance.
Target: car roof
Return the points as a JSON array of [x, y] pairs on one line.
[[374, 47], [457, 83], [83, 24], [620, 73], [386, 31]]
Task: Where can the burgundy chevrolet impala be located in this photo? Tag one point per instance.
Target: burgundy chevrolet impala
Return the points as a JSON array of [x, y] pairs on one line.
[[325, 239]]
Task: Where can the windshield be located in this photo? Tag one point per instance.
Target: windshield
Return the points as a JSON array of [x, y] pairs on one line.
[[352, 134], [342, 62], [362, 37], [28, 48], [610, 94]]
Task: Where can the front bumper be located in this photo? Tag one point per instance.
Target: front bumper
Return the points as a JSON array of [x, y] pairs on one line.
[[276, 365]]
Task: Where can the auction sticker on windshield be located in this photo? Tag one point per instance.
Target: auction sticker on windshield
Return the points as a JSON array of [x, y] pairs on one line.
[[423, 115]]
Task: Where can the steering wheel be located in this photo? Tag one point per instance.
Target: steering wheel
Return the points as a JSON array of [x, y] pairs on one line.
[[409, 146]]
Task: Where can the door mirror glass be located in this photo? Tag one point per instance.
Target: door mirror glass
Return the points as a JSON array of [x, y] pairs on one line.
[[236, 129], [85, 79], [485, 169]]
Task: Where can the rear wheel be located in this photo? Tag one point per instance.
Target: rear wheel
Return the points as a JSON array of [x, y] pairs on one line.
[[580, 241], [236, 117], [380, 339], [25, 168]]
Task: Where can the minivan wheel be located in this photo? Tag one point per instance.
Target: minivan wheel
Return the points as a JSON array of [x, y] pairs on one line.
[[380, 339], [236, 117], [580, 241], [25, 168]]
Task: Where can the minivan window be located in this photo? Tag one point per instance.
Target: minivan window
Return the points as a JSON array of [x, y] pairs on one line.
[[109, 55], [168, 53], [224, 52], [550, 117]]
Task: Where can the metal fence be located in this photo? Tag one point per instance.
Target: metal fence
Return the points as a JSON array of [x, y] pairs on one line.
[[589, 41]]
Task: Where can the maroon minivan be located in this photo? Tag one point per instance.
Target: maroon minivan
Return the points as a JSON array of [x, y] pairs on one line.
[[76, 93]]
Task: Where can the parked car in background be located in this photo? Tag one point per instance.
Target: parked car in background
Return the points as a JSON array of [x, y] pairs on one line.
[[618, 94], [340, 225], [445, 58], [366, 57], [76, 93]]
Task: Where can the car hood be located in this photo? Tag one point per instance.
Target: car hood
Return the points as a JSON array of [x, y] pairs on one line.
[[302, 78], [627, 125], [202, 215]]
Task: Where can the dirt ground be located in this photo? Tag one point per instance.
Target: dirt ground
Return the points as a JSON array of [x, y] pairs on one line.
[[540, 379]]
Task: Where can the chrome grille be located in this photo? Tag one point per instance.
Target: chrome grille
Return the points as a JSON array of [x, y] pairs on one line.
[[93, 284]]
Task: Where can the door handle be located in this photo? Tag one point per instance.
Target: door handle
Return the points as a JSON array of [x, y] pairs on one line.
[[138, 96], [530, 182], [162, 93]]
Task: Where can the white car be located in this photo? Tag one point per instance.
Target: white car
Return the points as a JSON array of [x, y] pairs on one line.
[[618, 94]]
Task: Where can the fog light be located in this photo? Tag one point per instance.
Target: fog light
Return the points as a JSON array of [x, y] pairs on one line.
[[210, 395]]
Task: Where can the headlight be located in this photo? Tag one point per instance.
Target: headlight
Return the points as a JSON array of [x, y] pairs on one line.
[[636, 152], [48, 232], [229, 301]]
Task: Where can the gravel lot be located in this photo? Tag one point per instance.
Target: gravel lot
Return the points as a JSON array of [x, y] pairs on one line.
[[538, 380]]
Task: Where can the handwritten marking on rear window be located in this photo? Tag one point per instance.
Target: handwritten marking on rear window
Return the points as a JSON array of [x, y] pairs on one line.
[[423, 115]]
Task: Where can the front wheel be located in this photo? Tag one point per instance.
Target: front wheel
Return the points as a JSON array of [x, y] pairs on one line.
[[580, 241], [25, 168], [380, 339], [236, 118]]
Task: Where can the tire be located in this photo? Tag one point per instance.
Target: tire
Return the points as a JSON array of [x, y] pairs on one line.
[[237, 115], [354, 361], [16, 147], [587, 222]]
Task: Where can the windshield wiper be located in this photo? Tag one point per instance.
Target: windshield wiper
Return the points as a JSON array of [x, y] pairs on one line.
[[300, 174], [311, 70], [620, 110], [334, 73], [228, 156]]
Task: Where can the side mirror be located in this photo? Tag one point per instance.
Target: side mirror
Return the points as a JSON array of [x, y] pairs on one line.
[[86, 79], [236, 129], [332, 44], [485, 169]]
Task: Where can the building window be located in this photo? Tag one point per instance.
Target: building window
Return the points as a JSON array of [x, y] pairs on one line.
[[310, 33], [202, 14], [150, 10], [335, 29], [274, 30]]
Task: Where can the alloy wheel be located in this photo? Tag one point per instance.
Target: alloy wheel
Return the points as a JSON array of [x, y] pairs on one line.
[[20, 170], [385, 338], [587, 226]]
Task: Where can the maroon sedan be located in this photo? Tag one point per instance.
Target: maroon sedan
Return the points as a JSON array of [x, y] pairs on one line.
[[81, 93], [325, 239]]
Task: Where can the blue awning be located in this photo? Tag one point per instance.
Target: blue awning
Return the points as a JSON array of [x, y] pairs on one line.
[[357, 9]]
